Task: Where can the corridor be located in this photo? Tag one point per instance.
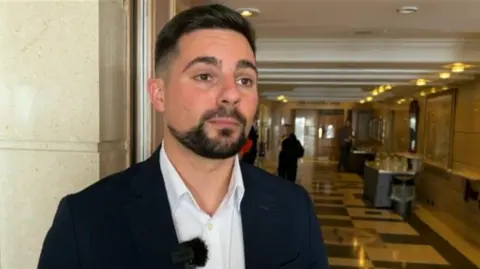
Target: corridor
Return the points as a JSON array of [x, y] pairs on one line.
[[358, 236]]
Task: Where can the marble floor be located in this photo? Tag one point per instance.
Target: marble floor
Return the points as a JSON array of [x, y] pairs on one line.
[[358, 236]]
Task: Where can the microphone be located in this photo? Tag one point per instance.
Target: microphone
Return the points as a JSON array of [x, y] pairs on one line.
[[192, 253]]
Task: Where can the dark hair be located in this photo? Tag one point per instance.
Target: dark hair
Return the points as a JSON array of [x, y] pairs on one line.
[[213, 16]]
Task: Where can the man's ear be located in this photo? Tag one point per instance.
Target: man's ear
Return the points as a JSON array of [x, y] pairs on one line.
[[156, 90]]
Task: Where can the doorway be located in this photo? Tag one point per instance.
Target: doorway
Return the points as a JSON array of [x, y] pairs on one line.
[[329, 123]]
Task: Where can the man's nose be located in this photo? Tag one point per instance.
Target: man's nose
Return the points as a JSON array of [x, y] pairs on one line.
[[230, 94]]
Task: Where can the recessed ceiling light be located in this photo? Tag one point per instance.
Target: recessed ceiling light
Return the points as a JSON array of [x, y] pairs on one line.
[[457, 67], [444, 75], [248, 12], [421, 82], [407, 10]]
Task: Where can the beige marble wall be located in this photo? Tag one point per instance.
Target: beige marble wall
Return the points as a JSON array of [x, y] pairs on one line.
[[466, 138], [442, 193], [401, 128], [63, 111]]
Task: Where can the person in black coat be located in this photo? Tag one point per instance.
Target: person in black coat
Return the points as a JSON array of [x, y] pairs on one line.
[[290, 152]]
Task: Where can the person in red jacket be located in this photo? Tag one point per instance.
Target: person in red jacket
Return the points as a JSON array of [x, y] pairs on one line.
[[246, 148]]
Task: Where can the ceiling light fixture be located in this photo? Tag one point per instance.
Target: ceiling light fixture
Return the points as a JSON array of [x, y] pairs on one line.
[[388, 87], [444, 75], [381, 89], [433, 90], [281, 98], [375, 92], [423, 94], [406, 10], [458, 67], [362, 101], [421, 82], [369, 99], [248, 12]]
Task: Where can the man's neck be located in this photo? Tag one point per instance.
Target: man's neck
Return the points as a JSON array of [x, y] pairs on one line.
[[207, 179]]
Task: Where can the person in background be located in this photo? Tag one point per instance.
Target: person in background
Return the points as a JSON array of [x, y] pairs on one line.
[[250, 155], [291, 150], [345, 141], [246, 148]]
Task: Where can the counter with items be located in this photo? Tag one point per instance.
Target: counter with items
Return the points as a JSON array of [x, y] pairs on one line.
[[357, 158], [378, 177]]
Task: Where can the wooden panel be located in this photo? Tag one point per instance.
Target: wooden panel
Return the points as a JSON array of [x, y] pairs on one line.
[[331, 122]]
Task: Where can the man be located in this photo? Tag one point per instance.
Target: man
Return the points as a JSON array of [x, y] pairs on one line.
[[291, 150], [345, 141], [193, 185]]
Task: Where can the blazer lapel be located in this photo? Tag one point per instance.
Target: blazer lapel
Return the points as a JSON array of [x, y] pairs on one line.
[[264, 235], [150, 217]]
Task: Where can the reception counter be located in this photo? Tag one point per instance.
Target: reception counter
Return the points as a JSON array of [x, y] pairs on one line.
[[357, 159], [377, 184]]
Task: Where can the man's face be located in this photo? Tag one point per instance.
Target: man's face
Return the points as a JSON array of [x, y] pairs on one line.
[[209, 96]]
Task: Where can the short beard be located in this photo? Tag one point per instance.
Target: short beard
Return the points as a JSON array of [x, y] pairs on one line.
[[197, 140]]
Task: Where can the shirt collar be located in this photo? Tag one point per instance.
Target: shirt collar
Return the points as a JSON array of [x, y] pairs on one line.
[[177, 190]]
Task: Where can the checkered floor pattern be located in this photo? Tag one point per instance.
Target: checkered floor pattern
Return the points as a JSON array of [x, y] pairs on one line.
[[359, 236]]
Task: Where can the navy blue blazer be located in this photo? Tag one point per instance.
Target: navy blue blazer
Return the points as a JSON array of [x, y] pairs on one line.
[[124, 222]]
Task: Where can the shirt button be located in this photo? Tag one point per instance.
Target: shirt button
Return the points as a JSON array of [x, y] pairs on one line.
[[210, 226]]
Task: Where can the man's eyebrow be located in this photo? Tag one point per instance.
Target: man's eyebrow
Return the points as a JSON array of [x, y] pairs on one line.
[[242, 64], [210, 60]]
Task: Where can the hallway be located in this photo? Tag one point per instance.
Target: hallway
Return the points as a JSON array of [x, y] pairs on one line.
[[361, 237]]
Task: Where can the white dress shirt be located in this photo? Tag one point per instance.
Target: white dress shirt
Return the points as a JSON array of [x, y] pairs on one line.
[[222, 232]]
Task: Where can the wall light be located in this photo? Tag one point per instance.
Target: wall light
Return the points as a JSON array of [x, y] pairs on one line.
[[388, 87], [375, 92], [362, 101], [369, 99], [433, 90], [423, 93], [281, 98], [381, 89]]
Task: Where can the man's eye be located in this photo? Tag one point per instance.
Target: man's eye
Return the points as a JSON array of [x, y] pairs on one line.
[[203, 77], [245, 82]]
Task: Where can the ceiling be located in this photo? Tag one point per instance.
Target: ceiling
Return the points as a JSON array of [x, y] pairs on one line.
[[340, 50]]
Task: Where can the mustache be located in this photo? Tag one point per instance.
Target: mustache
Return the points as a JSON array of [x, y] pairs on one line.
[[223, 112]]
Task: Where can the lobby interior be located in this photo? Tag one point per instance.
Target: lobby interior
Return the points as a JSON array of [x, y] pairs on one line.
[[405, 73]]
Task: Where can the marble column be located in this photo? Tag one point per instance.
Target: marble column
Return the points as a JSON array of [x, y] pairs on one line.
[[64, 111]]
